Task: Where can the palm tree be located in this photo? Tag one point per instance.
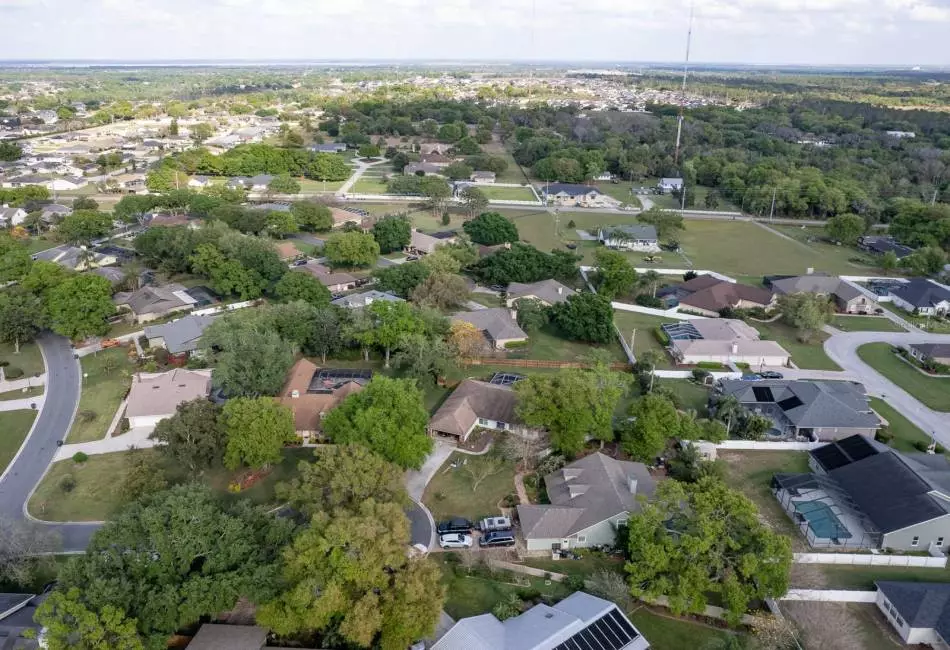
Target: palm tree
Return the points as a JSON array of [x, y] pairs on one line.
[[650, 358], [650, 279], [728, 410]]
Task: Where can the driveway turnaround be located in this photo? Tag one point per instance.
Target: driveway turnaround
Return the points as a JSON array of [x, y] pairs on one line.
[[36, 454]]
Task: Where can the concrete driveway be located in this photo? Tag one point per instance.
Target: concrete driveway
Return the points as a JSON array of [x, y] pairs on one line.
[[36, 453]]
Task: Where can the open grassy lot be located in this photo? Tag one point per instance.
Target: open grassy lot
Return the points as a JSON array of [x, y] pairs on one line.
[[620, 191], [546, 344], [508, 193], [32, 391], [932, 391], [309, 185], [667, 632], [29, 360], [751, 472], [865, 324], [107, 376], [99, 483], [644, 339], [450, 492], [692, 396], [905, 432], [369, 185], [863, 577], [14, 425], [589, 564], [804, 355]]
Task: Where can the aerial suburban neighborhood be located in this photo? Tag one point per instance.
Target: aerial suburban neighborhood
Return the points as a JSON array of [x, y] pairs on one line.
[[401, 354]]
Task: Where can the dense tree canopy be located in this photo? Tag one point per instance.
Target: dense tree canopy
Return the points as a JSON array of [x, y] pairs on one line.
[[351, 249], [388, 416], [251, 358], [524, 263], [79, 305], [585, 317], [193, 436], [392, 233], [491, 228], [256, 430], [401, 279]]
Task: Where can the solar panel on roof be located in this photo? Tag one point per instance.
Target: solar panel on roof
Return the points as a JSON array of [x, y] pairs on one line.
[[857, 447], [612, 631], [790, 403], [830, 457]]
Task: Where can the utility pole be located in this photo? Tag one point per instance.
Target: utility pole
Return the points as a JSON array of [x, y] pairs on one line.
[[933, 201], [772, 210], [679, 121], [683, 197]]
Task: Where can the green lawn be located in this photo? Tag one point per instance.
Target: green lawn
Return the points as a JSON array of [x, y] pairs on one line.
[[369, 185], [41, 243], [546, 344], [932, 391], [508, 193], [487, 299], [589, 564], [937, 325], [14, 425], [450, 493], [644, 339], [666, 632], [32, 391], [98, 483], [865, 324], [471, 595], [863, 577], [620, 191], [804, 355], [692, 396], [751, 472], [29, 360], [106, 380], [309, 185], [905, 432]]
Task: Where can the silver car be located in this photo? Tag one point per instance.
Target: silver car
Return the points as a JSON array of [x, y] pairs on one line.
[[455, 540]]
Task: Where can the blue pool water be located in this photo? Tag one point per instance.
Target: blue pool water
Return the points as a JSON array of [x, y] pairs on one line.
[[822, 520]]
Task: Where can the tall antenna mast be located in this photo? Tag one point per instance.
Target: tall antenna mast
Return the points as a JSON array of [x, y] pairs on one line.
[[679, 121]]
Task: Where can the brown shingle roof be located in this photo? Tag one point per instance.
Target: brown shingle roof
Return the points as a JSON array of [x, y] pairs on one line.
[[714, 294], [472, 400], [161, 393], [306, 406]]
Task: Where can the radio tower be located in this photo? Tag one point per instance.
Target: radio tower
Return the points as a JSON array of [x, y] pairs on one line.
[[679, 122]]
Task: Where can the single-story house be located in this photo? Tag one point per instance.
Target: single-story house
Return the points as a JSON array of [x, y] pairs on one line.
[[342, 216], [922, 296], [18, 630], [211, 636], [900, 135], [154, 302], [310, 392], [25, 180], [427, 148], [722, 340], [364, 299], [237, 183], [919, 611], [328, 147], [181, 336], [155, 396], [475, 404], [199, 181], [707, 295], [66, 183], [11, 216], [863, 494], [54, 213], [437, 159], [423, 243], [816, 410], [571, 195], [667, 185], [498, 324], [427, 169], [288, 251], [881, 244], [939, 352], [260, 182], [589, 498], [271, 206], [630, 238], [75, 258], [848, 298], [548, 292], [482, 177], [579, 622], [335, 282], [114, 274]]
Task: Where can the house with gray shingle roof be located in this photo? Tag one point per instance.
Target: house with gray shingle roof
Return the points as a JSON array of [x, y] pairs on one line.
[[153, 302], [475, 404], [816, 410], [364, 299], [919, 611], [640, 238], [499, 325], [180, 336], [589, 498], [848, 298], [922, 296], [939, 352], [549, 292]]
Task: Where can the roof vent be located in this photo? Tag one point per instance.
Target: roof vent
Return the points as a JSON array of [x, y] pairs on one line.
[[295, 393], [549, 615], [577, 490], [632, 484]]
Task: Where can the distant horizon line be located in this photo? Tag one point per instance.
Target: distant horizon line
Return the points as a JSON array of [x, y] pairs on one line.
[[370, 62]]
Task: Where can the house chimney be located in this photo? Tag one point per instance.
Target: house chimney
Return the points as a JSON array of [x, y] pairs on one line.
[[632, 484], [560, 290]]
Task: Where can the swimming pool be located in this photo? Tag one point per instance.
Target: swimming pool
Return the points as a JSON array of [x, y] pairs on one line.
[[822, 520]]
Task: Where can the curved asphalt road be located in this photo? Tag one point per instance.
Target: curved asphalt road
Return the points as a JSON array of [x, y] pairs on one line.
[[36, 454]]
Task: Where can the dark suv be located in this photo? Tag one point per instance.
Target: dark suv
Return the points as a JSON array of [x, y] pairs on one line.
[[497, 538], [454, 525]]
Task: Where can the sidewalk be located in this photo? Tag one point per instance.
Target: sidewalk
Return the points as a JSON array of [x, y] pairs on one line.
[[138, 438], [24, 404], [7, 385]]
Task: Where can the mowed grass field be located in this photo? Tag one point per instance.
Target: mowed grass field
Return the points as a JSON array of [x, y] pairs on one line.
[[932, 391], [14, 425], [865, 324], [508, 193]]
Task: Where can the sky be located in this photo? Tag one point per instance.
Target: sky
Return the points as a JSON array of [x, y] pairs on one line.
[[823, 32]]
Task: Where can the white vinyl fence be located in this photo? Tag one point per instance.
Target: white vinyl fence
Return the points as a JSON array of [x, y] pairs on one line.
[[220, 308], [831, 595], [868, 559], [688, 374], [761, 445]]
